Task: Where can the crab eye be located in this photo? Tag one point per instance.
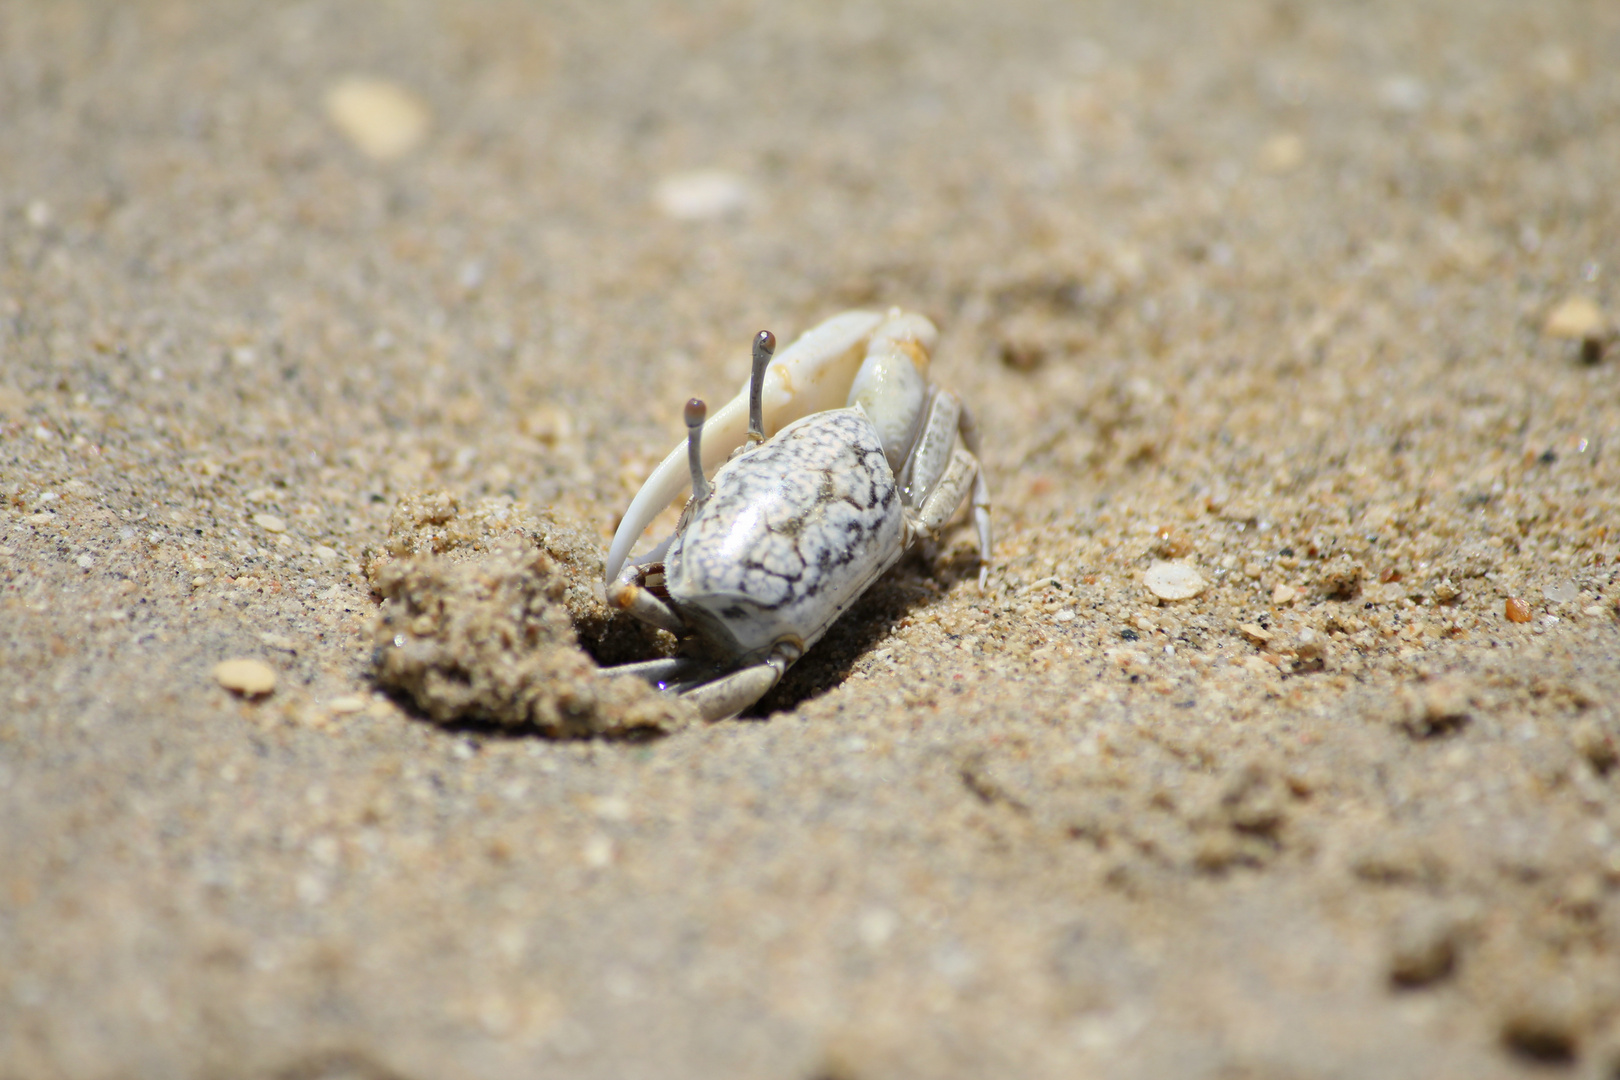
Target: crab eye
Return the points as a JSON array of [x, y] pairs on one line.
[[696, 411]]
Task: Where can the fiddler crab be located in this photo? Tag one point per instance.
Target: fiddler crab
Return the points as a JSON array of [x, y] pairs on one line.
[[835, 459]]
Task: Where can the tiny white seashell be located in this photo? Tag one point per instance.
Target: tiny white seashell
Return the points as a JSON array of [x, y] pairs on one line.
[[382, 119], [702, 195], [1577, 318], [1173, 581], [250, 678]]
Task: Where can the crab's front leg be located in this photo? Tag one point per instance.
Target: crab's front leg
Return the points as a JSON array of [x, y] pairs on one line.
[[726, 696], [969, 431], [628, 590], [716, 696], [938, 475], [629, 594]]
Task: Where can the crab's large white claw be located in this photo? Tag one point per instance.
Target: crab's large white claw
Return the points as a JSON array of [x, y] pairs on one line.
[[811, 375], [891, 386]]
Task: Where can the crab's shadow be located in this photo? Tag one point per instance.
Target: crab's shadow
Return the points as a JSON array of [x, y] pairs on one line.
[[918, 580]]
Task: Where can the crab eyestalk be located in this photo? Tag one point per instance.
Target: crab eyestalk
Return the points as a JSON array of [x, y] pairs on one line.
[[812, 374], [696, 413], [764, 347]]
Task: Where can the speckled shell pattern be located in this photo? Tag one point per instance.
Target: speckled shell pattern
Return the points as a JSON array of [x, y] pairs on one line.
[[794, 532]]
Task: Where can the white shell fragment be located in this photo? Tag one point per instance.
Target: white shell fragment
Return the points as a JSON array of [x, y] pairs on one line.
[[250, 678], [1254, 633], [1282, 153], [702, 195], [1173, 581], [382, 119], [1578, 319]]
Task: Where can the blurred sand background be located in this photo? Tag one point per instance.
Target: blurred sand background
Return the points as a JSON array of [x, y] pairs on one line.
[[1316, 299]]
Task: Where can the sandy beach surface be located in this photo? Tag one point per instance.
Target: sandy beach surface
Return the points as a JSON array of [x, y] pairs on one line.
[[1308, 310]]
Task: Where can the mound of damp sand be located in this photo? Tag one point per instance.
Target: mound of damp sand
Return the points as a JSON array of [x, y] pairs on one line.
[[478, 624]]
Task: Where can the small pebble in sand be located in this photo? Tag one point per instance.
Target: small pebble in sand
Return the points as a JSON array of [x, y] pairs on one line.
[[702, 195], [250, 678], [1254, 633], [611, 808], [547, 425], [1594, 743], [1341, 578], [598, 852], [1579, 319], [1173, 581], [1403, 93], [349, 703], [1543, 1023], [1284, 594], [1172, 543], [1576, 319], [1310, 651], [1516, 610], [1028, 341], [270, 523], [1556, 63], [1561, 593], [1423, 946], [382, 119], [1435, 709], [1283, 152]]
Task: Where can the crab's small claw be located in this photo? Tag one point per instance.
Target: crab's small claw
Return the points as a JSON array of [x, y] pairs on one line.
[[630, 596], [811, 375]]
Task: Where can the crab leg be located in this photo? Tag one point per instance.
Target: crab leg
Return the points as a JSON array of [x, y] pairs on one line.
[[663, 672], [937, 476], [627, 595], [981, 494], [811, 375], [729, 695], [716, 698]]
